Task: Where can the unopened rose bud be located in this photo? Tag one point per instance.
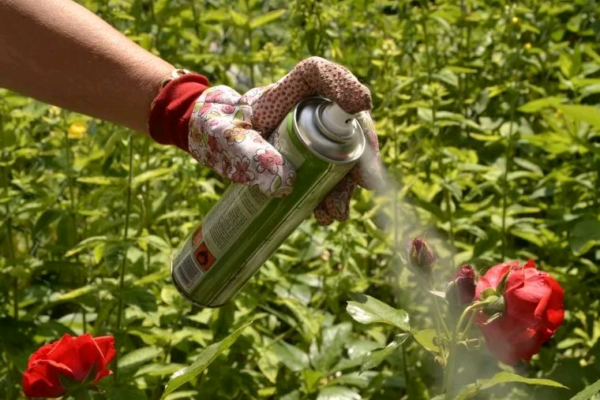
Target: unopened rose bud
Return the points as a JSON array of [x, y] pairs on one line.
[[420, 256], [465, 282], [461, 290]]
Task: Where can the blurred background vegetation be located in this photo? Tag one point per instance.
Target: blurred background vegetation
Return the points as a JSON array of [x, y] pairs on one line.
[[487, 123]]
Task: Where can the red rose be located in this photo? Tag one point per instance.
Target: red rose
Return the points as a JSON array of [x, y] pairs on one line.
[[73, 358], [533, 310]]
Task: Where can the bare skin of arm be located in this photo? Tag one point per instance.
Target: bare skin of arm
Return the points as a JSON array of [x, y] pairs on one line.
[[59, 52]]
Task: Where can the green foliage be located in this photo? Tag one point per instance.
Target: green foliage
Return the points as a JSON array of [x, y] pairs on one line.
[[489, 128]]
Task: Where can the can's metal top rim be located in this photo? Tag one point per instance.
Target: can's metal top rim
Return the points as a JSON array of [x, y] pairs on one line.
[[319, 100]]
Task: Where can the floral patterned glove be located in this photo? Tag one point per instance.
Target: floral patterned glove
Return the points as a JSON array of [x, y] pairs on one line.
[[221, 137], [227, 131], [224, 132]]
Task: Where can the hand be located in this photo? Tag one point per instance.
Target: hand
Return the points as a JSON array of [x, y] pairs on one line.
[[228, 131]]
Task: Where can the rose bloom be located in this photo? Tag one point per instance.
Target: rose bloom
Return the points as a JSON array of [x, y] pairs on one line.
[[533, 311], [71, 357]]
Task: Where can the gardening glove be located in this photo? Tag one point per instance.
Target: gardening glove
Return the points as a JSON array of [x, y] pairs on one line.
[[226, 131]]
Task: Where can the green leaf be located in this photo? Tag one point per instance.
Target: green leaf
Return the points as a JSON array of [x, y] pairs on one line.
[[323, 357], [159, 6], [156, 242], [268, 365], [45, 220], [584, 236], [203, 360], [239, 19], [158, 369], [540, 104], [376, 357], [73, 294], [587, 114], [311, 379], [291, 356], [185, 394], [151, 175], [266, 18], [367, 310], [309, 323], [426, 339], [338, 393], [99, 180], [588, 392], [590, 90], [88, 242], [218, 15], [503, 377], [139, 356], [506, 377]]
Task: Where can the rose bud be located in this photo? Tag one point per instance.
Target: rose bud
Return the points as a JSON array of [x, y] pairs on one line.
[[461, 290], [420, 256]]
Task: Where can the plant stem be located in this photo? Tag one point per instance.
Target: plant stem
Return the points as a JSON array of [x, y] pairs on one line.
[[124, 262], [465, 331], [249, 33], [436, 131], [147, 204], [509, 147], [451, 365], [438, 312]]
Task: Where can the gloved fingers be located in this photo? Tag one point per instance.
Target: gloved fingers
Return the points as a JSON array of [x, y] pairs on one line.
[[322, 216], [220, 94], [311, 77], [368, 173], [336, 205], [221, 138]]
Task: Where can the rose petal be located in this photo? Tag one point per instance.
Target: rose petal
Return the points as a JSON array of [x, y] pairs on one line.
[[41, 379]]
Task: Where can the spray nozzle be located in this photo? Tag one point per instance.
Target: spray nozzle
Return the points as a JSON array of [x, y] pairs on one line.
[[338, 124]]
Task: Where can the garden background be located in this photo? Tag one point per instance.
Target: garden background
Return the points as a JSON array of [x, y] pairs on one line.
[[488, 127]]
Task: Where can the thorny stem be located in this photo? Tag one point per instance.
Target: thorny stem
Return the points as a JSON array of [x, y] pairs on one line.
[[124, 262]]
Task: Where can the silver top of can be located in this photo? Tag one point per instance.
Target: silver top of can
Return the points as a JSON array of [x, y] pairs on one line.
[[328, 131], [335, 123]]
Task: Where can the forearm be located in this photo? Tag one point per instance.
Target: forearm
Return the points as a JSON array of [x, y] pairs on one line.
[[59, 52]]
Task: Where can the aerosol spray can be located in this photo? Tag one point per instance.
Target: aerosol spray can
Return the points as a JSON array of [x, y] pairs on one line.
[[245, 227]]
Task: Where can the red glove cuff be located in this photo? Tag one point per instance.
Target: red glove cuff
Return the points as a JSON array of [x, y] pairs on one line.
[[171, 110]]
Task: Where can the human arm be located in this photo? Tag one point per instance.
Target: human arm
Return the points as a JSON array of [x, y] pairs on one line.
[[61, 53]]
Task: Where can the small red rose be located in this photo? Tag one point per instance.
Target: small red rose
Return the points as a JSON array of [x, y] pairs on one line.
[[70, 357], [533, 310]]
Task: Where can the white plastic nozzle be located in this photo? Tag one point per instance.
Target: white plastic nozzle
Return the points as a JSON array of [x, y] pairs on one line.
[[337, 121]]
